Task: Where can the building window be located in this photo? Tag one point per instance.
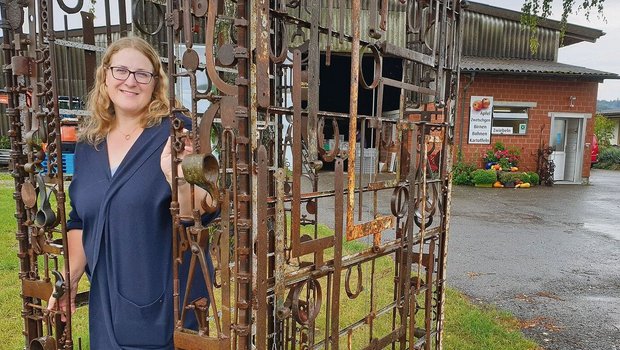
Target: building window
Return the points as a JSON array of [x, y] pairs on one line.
[[509, 120]]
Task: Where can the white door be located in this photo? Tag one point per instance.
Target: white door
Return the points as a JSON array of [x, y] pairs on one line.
[[558, 140], [571, 150]]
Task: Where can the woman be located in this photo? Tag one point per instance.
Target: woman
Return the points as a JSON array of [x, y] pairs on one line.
[[120, 225]]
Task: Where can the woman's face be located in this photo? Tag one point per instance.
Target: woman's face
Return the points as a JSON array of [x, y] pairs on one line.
[[129, 96]]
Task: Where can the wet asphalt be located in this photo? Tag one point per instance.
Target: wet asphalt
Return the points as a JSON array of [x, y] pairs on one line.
[[548, 255]]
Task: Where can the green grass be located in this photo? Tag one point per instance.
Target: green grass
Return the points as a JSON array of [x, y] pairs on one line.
[[467, 326], [11, 321]]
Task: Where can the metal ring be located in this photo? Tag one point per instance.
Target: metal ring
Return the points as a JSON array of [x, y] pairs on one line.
[[71, 10], [378, 66], [160, 17], [177, 124], [398, 205], [43, 343], [302, 312]]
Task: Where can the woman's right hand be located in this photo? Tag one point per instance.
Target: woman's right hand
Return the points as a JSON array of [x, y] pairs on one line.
[[77, 267], [62, 304]]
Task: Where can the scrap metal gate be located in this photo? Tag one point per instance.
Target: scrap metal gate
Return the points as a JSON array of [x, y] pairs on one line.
[[333, 221]]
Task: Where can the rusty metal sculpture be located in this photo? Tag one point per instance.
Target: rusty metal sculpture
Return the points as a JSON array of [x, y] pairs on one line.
[[262, 148]]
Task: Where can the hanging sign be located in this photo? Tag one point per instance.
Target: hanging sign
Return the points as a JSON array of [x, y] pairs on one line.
[[480, 112]]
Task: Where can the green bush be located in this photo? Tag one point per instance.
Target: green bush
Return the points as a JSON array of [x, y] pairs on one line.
[[5, 142], [609, 158], [484, 177], [603, 129], [461, 173], [507, 177], [534, 178]]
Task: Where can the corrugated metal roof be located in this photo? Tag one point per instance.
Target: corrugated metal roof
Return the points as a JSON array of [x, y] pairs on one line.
[[531, 67], [574, 33], [396, 33], [612, 113], [489, 36]]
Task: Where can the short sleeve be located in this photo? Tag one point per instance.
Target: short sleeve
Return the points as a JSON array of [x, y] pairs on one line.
[[74, 222]]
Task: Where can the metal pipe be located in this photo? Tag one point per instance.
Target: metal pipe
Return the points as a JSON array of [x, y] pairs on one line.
[[462, 115]]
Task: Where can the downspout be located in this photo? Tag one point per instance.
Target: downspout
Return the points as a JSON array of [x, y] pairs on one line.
[[472, 76]]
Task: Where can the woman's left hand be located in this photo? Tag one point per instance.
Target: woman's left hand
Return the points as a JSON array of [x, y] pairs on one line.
[[166, 158]]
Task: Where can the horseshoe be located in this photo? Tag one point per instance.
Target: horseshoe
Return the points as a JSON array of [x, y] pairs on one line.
[[301, 310], [429, 208], [332, 154], [281, 57], [417, 218], [347, 282]]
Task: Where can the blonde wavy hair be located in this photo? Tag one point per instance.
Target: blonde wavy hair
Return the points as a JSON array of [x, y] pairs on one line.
[[95, 127]]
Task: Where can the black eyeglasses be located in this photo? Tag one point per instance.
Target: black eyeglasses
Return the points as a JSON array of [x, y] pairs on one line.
[[122, 73]]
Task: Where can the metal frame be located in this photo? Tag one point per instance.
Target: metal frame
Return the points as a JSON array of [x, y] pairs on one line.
[[278, 283]]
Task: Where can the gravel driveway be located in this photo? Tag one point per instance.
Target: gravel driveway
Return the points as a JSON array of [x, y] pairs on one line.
[[549, 255]]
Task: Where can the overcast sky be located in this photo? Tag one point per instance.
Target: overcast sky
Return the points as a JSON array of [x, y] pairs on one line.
[[603, 55]]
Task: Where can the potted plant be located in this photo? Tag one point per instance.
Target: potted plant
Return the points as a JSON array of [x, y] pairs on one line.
[[489, 159], [505, 158], [484, 177]]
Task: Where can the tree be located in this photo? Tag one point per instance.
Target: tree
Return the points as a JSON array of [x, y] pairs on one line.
[[533, 10], [604, 130]]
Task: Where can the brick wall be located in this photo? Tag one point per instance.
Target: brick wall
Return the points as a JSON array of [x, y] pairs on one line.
[[550, 96]]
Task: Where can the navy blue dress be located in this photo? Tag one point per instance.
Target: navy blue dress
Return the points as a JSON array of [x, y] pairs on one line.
[[127, 237]]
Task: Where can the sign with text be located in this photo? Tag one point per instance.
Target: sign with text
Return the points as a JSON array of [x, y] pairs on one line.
[[480, 112], [501, 130]]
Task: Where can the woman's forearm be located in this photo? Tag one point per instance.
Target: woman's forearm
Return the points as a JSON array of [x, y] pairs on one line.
[[77, 257]]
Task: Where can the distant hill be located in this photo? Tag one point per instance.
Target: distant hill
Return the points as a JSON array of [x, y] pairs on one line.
[[604, 105]]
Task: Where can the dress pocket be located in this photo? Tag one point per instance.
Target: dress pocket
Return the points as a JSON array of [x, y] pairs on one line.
[[148, 325]]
